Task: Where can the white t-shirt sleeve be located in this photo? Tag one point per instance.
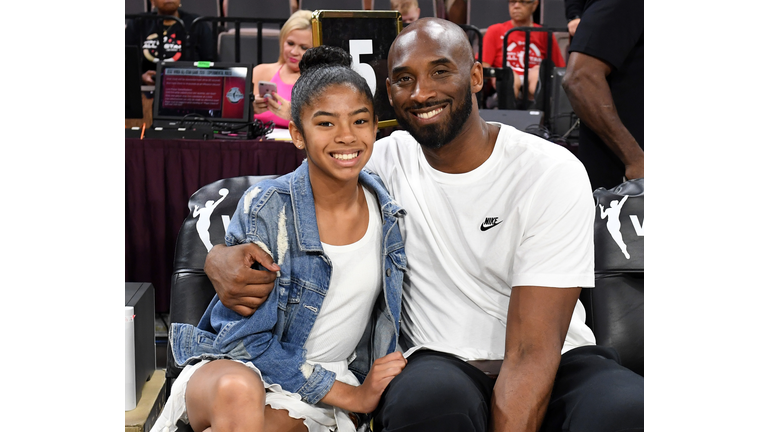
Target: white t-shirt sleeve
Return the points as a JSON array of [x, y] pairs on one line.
[[377, 161], [557, 245]]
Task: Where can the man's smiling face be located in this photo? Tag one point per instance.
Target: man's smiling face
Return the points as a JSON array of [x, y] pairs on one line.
[[429, 84]]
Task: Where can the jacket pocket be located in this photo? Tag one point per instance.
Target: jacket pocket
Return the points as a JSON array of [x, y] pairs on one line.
[[292, 300], [399, 259]]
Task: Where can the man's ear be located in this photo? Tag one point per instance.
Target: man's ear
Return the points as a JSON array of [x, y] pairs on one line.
[[476, 77], [389, 93]]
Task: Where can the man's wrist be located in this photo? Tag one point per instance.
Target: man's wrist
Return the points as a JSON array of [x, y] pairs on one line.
[[574, 18]]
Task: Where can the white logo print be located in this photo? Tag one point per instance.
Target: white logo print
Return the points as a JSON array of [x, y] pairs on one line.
[[613, 224], [204, 220], [234, 95]]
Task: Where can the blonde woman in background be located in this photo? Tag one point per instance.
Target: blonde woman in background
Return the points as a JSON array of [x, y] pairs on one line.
[[295, 39]]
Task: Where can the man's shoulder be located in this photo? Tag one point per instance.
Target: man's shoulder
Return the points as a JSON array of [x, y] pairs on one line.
[[533, 152], [399, 141], [391, 152]]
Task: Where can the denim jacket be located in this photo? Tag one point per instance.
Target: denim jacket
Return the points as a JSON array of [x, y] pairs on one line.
[[279, 216]]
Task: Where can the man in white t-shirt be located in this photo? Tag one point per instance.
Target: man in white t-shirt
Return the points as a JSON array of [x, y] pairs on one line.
[[499, 243]]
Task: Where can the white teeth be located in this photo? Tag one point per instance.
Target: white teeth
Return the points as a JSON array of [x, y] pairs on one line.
[[345, 156], [430, 114]]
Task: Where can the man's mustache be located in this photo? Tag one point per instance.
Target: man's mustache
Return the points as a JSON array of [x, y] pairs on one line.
[[428, 104]]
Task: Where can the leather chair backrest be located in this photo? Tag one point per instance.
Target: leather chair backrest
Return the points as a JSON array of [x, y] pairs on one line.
[[210, 210], [615, 307], [619, 244]]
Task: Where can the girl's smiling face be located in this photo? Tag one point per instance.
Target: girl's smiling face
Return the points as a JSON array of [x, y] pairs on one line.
[[339, 132]]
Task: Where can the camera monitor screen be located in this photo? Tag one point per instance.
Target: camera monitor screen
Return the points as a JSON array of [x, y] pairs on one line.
[[214, 91]]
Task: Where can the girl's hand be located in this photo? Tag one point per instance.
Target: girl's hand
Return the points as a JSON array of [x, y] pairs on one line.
[[365, 398], [383, 371]]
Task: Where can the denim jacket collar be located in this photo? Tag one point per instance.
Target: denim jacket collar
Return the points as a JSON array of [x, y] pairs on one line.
[[307, 232]]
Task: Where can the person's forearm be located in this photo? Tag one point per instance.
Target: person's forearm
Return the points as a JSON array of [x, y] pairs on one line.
[[537, 323], [343, 396], [592, 102], [522, 391]]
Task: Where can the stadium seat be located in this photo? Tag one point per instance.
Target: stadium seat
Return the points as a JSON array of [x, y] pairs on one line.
[[552, 13], [191, 290], [135, 7], [615, 306], [314, 5], [276, 9], [381, 5], [426, 7], [208, 8], [249, 47], [483, 13]]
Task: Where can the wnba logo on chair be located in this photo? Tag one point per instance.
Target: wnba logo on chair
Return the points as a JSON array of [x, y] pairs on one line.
[[613, 223], [203, 215], [619, 231]]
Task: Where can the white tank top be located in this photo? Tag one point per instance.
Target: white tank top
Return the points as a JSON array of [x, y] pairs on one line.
[[356, 282]]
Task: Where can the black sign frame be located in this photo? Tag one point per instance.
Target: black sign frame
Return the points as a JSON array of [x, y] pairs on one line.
[[367, 36]]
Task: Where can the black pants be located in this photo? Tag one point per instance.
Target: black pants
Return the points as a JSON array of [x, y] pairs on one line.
[[438, 392]]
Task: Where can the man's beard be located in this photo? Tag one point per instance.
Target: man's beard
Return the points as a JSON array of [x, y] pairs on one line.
[[437, 135]]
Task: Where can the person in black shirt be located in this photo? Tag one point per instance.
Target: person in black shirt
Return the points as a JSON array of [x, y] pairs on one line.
[[574, 9], [604, 83], [144, 34]]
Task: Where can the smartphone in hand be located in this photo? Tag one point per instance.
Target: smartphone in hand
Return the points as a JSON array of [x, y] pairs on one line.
[[267, 87]]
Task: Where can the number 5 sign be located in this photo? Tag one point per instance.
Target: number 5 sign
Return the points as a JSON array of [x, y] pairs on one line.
[[366, 36]]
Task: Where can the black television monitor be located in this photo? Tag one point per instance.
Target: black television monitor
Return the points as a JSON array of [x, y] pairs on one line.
[[366, 36], [191, 91], [133, 107]]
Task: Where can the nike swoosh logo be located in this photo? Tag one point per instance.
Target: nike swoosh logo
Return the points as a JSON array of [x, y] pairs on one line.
[[484, 227]]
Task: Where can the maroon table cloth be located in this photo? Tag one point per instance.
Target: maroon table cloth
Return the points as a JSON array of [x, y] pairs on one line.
[[161, 175]]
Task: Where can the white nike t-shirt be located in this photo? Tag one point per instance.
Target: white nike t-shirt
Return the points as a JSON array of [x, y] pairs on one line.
[[524, 217]]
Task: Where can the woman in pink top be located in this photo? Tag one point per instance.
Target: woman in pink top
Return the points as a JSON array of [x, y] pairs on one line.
[[295, 38]]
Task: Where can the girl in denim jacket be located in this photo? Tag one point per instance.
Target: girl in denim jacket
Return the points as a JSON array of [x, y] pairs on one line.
[[323, 344]]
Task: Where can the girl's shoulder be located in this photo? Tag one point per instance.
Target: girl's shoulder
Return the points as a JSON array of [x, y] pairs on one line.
[[267, 192], [373, 182]]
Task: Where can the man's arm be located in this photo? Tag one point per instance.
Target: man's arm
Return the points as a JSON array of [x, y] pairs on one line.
[[537, 323], [240, 287], [587, 88]]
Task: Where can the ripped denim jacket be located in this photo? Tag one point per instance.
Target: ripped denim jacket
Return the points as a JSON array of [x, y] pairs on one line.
[[279, 215]]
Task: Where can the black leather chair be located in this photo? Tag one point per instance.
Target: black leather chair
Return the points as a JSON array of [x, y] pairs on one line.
[[615, 306], [210, 209]]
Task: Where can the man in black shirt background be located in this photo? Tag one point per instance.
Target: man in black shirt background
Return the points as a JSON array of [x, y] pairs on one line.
[[144, 34], [604, 83]]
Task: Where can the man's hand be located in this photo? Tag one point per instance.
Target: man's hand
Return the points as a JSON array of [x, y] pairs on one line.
[[148, 77], [240, 287], [636, 169], [572, 25]]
